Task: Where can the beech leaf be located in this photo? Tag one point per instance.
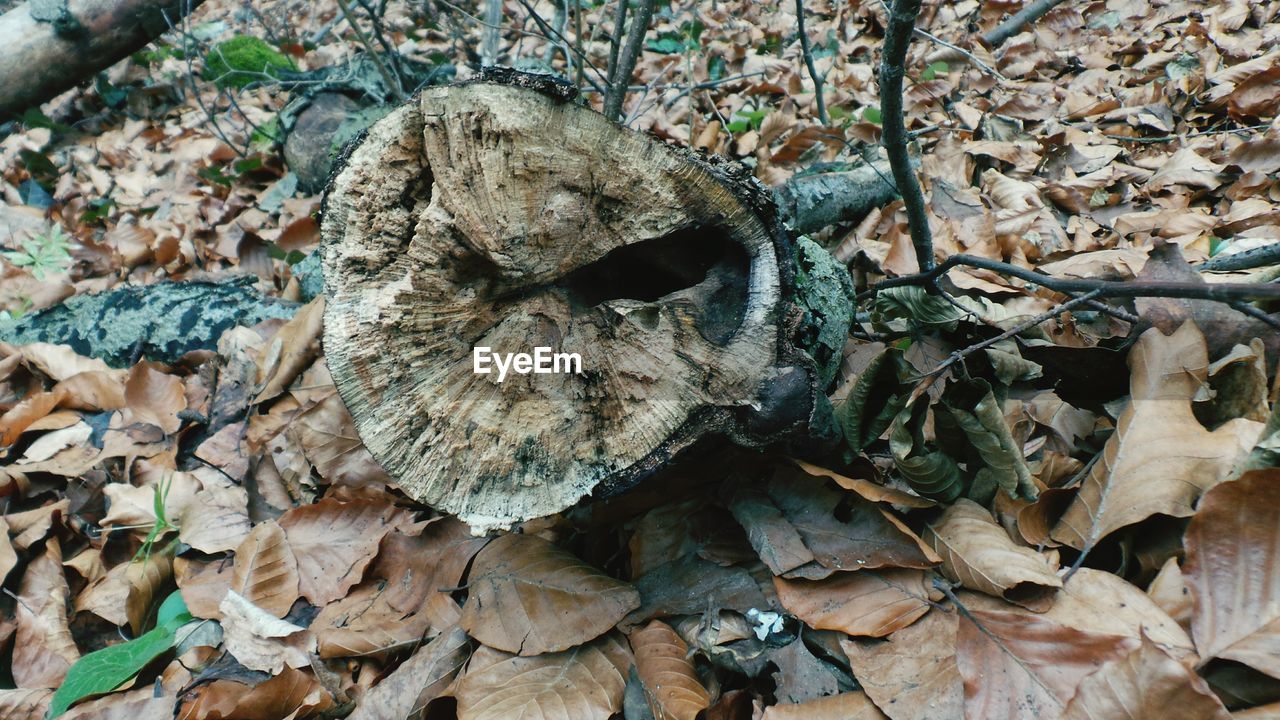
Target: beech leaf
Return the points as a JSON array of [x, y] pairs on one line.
[[671, 685]]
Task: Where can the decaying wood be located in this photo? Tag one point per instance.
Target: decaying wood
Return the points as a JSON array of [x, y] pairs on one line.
[[51, 45], [490, 214]]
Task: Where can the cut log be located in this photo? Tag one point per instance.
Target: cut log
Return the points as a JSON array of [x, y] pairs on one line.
[[51, 45], [502, 215]]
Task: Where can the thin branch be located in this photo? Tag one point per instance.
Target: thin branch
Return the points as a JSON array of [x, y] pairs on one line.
[[1245, 260], [627, 59], [1021, 327], [579, 74], [380, 35], [491, 38], [1255, 313], [549, 32], [902, 19], [1014, 25], [807, 50], [1219, 292], [974, 59], [393, 84]]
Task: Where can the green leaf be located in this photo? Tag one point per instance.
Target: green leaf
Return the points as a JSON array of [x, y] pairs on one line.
[[933, 69], [932, 474], [876, 398], [104, 670], [915, 304], [738, 126], [989, 434], [871, 114], [666, 44]]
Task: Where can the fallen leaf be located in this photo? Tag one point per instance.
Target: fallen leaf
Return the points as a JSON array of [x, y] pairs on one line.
[[294, 348], [261, 641], [23, 704], [43, 649], [977, 553], [671, 685], [291, 693], [1232, 545], [266, 573], [154, 397], [1146, 684], [216, 519], [1160, 459], [583, 683], [870, 603], [912, 673], [845, 706], [419, 680], [1022, 666], [334, 542], [529, 597]]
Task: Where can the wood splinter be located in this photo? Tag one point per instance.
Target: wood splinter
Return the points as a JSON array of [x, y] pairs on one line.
[[502, 215]]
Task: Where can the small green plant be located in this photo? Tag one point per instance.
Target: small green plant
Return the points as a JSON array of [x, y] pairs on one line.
[[47, 253], [160, 495], [243, 60]]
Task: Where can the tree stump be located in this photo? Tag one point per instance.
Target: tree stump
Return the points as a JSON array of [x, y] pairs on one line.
[[503, 215]]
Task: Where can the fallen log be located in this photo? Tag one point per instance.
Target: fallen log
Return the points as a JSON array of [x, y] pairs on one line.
[[52, 45], [483, 221], [161, 322]]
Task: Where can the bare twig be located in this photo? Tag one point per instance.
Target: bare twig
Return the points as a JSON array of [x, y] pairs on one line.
[[1245, 260], [1021, 327], [974, 59], [807, 50], [1014, 25], [1255, 313], [552, 35], [627, 58], [577, 41], [380, 35], [1218, 292], [902, 19], [393, 84]]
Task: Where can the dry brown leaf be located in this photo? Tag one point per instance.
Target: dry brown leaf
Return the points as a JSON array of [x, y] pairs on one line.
[[870, 603], [135, 506], [867, 489], [671, 684], [261, 641], [584, 683], [22, 704], [1017, 665], [216, 519], [529, 597], [845, 706], [334, 542], [327, 435], [419, 680], [126, 594], [422, 564], [266, 573], [1160, 459], [290, 694], [977, 553], [154, 397], [137, 704], [203, 584], [1185, 167], [291, 351], [1233, 549], [1169, 590], [8, 556], [43, 649], [362, 624], [1146, 684], [912, 673], [1099, 602]]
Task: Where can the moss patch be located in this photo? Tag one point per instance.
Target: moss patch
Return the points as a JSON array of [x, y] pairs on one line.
[[243, 60]]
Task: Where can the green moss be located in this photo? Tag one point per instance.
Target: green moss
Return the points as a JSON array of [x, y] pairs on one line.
[[243, 60]]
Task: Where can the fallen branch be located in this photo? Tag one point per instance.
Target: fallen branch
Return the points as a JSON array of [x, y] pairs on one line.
[[1219, 292], [811, 202], [47, 53], [1246, 260], [996, 36], [902, 19]]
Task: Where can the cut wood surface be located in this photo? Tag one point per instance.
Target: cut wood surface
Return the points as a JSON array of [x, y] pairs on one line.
[[490, 215]]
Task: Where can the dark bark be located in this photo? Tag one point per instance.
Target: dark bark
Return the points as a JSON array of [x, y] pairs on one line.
[[50, 47], [902, 20]]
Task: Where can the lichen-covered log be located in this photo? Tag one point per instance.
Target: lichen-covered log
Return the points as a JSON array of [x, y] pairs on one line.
[[501, 216], [160, 322]]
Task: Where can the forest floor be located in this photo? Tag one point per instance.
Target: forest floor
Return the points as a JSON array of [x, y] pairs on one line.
[[1079, 522]]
